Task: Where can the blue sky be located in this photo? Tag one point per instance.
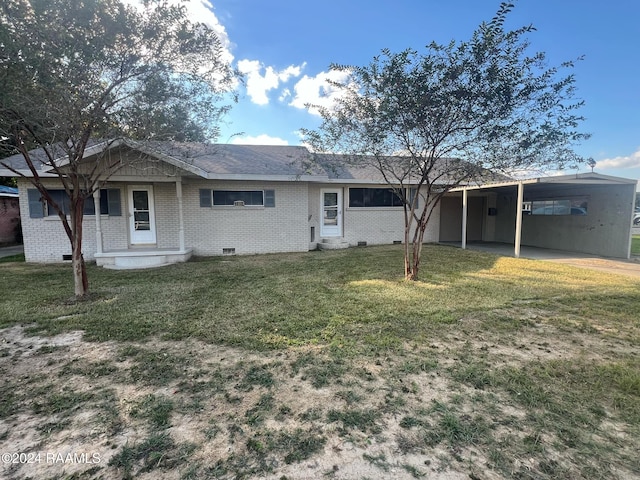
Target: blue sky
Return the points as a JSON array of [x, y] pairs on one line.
[[285, 47]]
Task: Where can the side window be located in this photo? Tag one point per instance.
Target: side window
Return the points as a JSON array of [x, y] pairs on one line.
[[229, 198], [38, 208]]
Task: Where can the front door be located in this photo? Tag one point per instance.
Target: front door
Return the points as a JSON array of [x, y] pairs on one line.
[[331, 214], [142, 224]]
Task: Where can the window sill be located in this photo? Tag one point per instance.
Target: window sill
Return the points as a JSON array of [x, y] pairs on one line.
[[376, 209], [56, 218], [232, 207]]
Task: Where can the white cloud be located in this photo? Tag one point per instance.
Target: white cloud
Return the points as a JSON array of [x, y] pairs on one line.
[[262, 139], [198, 11], [261, 79], [629, 161], [286, 93], [317, 90]]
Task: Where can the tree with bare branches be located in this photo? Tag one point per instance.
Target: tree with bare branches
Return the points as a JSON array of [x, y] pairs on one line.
[[447, 117]]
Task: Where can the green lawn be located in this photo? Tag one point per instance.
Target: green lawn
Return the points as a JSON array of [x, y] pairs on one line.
[[522, 368], [356, 298], [635, 245]]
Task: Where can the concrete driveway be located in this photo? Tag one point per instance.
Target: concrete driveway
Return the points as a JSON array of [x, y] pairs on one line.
[[11, 251], [610, 265]]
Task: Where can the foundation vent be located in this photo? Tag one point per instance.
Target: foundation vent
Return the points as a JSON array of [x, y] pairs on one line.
[[397, 242], [66, 257], [228, 251], [362, 244]]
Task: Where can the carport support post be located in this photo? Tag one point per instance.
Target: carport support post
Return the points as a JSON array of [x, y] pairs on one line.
[[180, 214], [96, 205], [516, 250], [464, 218]]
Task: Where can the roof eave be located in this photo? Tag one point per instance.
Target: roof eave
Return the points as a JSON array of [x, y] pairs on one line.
[[262, 177]]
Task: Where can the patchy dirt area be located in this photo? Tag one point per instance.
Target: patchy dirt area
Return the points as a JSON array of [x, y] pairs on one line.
[[190, 410]]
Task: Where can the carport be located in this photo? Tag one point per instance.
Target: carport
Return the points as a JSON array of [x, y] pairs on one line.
[[586, 213]]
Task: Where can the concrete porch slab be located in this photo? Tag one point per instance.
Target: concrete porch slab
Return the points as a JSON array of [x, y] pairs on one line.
[[144, 258]]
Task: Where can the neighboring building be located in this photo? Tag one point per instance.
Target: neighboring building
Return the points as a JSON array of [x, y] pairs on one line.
[[174, 200], [9, 216]]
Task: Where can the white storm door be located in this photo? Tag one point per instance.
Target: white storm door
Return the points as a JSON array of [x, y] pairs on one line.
[[142, 223], [331, 212]]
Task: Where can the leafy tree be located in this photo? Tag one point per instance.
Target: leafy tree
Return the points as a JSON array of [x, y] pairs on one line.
[[76, 70], [449, 116], [9, 182]]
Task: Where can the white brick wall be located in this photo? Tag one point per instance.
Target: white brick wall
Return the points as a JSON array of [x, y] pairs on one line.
[[372, 225], [247, 229], [166, 209], [44, 238]]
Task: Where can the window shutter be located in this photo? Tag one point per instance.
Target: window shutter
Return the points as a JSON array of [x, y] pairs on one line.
[[113, 198], [36, 207], [269, 198], [89, 207], [412, 194], [205, 197]]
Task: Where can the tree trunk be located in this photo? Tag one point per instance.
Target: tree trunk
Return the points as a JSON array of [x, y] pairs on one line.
[[407, 260], [80, 280], [416, 253]]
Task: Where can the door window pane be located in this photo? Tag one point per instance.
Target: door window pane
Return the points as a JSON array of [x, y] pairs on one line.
[[140, 200], [331, 199]]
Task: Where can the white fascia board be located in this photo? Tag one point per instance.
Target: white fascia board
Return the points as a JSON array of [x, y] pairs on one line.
[[92, 150], [4, 172], [512, 183], [360, 181], [586, 178], [580, 179], [265, 178]]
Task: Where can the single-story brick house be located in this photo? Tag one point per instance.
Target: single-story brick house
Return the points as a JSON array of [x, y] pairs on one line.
[[171, 201], [9, 215]]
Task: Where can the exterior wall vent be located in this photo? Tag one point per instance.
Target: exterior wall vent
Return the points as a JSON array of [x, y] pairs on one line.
[[397, 242], [238, 203], [228, 251], [66, 257], [362, 244]]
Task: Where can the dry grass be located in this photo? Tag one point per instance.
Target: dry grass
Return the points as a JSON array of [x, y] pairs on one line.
[[324, 364]]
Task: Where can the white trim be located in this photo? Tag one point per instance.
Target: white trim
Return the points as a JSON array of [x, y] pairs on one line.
[[465, 203], [518, 236], [98, 220], [579, 178], [181, 241], [141, 237], [327, 231]]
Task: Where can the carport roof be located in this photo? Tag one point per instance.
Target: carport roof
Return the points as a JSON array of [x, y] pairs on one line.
[[590, 178]]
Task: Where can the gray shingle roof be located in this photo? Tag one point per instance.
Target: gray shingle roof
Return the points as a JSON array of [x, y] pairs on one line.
[[238, 161], [228, 159]]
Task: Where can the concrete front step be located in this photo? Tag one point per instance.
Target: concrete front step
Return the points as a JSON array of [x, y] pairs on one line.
[[134, 259], [333, 244]]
